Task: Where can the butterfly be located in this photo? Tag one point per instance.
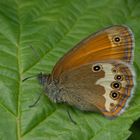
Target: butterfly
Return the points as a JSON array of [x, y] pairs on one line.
[[97, 74]]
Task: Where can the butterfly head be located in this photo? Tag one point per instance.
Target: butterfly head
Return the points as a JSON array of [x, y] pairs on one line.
[[43, 78]]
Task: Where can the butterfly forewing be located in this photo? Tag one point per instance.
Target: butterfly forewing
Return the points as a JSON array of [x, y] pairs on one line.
[[113, 43]]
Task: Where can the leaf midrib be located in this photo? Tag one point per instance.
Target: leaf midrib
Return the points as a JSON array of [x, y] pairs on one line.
[[18, 117]]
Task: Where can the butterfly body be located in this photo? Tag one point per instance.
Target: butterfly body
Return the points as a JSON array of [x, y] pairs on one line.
[[96, 75]]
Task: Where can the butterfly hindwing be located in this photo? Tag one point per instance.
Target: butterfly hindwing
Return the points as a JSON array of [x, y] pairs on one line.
[[104, 87]]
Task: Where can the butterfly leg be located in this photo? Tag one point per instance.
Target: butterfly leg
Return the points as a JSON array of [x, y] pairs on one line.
[[74, 122], [36, 101]]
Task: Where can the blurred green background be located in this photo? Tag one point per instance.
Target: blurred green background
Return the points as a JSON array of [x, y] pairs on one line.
[[135, 128]]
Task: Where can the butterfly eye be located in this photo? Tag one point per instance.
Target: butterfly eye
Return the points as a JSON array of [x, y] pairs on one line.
[[116, 39], [114, 95], [118, 77], [116, 85], [96, 68]]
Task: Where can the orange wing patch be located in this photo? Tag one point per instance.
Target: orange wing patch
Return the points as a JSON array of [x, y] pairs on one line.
[[113, 43]]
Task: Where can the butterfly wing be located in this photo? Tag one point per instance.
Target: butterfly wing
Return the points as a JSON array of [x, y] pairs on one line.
[[113, 43], [105, 87]]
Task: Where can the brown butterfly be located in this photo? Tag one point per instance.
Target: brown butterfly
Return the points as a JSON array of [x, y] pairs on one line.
[[96, 75]]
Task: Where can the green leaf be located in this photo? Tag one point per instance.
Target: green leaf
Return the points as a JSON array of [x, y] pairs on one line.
[[52, 27]]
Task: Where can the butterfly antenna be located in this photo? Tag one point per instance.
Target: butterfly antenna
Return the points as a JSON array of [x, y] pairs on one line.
[[35, 52], [29, 77], [71, 118], [37, 55]]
